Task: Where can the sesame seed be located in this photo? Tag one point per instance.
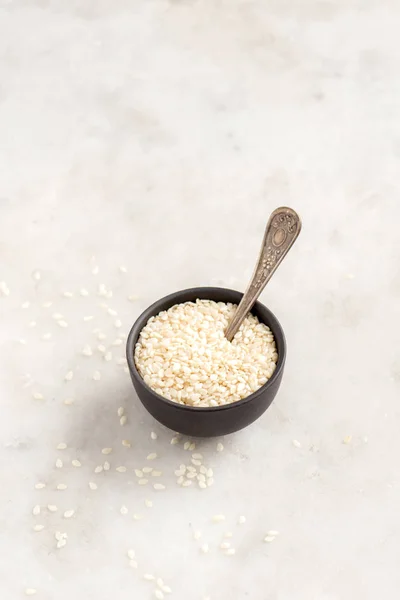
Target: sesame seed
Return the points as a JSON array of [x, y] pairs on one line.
[[47, 304], [205, 548], [132, 298], [197, 535], [68, 294], [347, 439], [137, 517], [76, 463], [174, 441], [87, 350], [210, 481], [131, 554], [197, 456], [121, 469], [126, 443], [153, 435], [32, 324], [117, 343], [273, 532], [123, 269], [95, 270], [123, 420], [59, 463], [101, 336], [101, 348], [123, 510], [69, 513], [52, 507], [98, 469], [106, 451], [241, 520], [186, 445], [112, 312], [84, 292], [57, 316], [228, 534], [92, 485], [158, 594], [62, 324], [108, 356], [38, 396], [166, 589], [106, 465], [69, 376], [69, 401], [88, 318], [61, 486], [152, 456], [220, 447], [225, 545], [30, 591], [40, 486], [202, 485], [61, 446], [269, 538], [148, 503], [25, 305], [147, 469], [156, 473], [195, 462], [120, 411], [218, 518], [159, 486], [187, 483], [22, 341], [192, 446], [143, 481], [36, 510], [296, 443], [230, 551], [148, 577], [96, 375], [118, 323], [4, 289], [36, 275], [38, 527], [46, 336]]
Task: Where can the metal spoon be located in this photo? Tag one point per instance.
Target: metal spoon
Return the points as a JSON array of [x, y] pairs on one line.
[[282, 229]]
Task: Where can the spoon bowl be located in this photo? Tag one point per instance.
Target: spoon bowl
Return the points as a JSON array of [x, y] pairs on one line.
[[211, 420]]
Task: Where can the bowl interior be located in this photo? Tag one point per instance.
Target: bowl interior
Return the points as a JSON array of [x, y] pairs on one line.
[[218, 295]]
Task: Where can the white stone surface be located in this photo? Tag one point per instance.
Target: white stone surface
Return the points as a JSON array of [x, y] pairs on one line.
[[159, 136]]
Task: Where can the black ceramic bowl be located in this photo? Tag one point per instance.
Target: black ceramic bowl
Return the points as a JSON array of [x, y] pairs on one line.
[[213, 420]]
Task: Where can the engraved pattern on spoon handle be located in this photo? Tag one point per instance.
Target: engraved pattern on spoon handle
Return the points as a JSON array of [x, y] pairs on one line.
[[282, 229]]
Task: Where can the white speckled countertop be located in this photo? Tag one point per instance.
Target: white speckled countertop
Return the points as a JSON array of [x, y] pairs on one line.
[[159, 135]]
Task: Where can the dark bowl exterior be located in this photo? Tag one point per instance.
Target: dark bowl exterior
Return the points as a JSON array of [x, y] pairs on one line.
[[207, 421]]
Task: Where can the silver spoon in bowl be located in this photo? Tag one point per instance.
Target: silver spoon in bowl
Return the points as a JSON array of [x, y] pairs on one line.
[[282, 229]]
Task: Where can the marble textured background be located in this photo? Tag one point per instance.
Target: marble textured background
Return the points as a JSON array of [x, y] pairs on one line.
[[160, 135]]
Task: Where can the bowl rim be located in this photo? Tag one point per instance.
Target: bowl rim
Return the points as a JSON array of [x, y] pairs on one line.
[[145, 316]]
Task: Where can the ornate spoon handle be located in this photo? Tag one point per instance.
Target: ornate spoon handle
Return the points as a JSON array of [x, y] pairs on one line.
[[282, 229]]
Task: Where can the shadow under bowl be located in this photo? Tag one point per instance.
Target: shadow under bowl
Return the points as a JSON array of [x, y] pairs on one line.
[[214, 420]]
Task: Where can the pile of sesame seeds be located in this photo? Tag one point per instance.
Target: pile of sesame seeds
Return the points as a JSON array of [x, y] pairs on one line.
[[183, 354]]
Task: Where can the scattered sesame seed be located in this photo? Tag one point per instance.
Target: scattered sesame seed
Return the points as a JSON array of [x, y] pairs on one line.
[[38, 527], [123, 269], [40, 486], [61, 446], [132, 298], [131, 554], [209, 473], [52, 508], [22, 341], [37, 396], [220, 447], [148, 577], [152, 456], [68, 294], [118, 323], [156, 473], [87, 350], [106, 451], [218, 518], [347, 439], [148, 503], [147, 469], [112, 312], [59, 463], [202, 485], [230, 551], [197, 535], [153, 435], [143, 481], [120, 411], [69, 401], [241, 520], [97, 375], [123, 510], [46, 336], [121, 361], [69, 376], [84, 292], [32, 324], [92, 485], [159, 486], [225, 545], [197, 456], [69, 513], [137, 517], [101, 348], [195, 462], [76, 463], [57, 316], [4, 289], [108, 356], [117, 342], [61, 486], [273, 532], [36, 510], [158, 594], [98, 469], [174, 440], [296, 443], [88, 318], [269, 538], [204, 548], [95, 270], [186, 445], [36, 275], [62, 323], [101, 336], [166, 589], [47, 304], [106, 465], [187, 483], [126, 443], [192, 446], [25, 305], [121, 469], [30, 591], [123, 420]]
